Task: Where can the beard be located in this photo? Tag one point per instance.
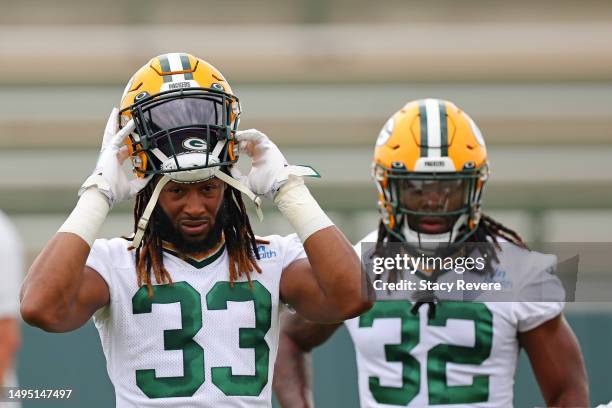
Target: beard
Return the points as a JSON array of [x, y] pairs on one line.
[[170, 233]]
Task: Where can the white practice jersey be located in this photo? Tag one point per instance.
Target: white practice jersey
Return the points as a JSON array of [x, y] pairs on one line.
[[11, 253], [464, 357], [199, 342]]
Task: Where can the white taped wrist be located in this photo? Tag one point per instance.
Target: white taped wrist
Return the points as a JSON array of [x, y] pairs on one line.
[[301, 209], [88, 215]]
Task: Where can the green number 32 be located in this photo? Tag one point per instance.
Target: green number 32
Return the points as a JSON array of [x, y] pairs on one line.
[[437, 358], [193, 354]]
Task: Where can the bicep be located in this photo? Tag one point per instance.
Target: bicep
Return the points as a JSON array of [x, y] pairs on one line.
[[555, 358], [93, 294]]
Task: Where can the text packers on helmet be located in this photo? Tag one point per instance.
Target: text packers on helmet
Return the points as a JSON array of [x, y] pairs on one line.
[[185, 118], [430, 141]]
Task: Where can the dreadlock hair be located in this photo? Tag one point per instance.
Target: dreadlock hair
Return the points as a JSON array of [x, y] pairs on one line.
[[240, 241], [489, 230]]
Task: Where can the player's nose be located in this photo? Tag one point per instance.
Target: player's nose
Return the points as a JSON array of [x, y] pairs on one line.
[[433, 200], [194, 204]]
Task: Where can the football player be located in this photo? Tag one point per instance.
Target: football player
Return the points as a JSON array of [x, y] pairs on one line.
[[188, 307], [430, 167], [11, 253]]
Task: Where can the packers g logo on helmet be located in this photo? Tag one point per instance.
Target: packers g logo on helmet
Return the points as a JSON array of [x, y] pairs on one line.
[[194, 143], [430, 140], [185, 116]]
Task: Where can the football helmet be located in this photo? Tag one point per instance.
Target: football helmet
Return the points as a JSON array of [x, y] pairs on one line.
[[430, 166], [185, 119]]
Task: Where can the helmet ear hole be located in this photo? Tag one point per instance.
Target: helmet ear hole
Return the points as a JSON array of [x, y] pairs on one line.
[[141, 96]]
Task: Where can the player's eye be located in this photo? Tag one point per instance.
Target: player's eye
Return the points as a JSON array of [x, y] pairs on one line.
[[211, 187], [413, 187]]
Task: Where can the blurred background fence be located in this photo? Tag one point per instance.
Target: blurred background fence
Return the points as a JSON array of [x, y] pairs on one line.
[[320, 77]]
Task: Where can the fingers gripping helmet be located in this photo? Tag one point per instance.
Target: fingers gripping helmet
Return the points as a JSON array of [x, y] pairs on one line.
[[185, 117], [430, 142]]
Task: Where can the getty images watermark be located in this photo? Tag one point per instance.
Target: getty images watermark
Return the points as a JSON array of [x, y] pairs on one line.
[[425, 265], [485, 272]]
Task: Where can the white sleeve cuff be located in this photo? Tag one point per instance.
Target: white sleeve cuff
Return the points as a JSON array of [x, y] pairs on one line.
[[300, 208], [88, 215]]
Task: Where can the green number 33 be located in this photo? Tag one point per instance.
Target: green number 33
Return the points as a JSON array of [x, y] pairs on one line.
[[193, 354], [437, 358]]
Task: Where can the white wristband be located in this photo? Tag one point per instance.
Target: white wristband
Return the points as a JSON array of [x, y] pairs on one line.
[[88, 215], [301, 209]]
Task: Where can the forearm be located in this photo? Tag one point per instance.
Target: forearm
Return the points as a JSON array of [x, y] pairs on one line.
[[293, 375], [334, 264], [337, 270], [55, 278]]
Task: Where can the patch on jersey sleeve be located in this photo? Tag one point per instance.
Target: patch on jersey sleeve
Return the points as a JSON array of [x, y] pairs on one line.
[[265, 252]]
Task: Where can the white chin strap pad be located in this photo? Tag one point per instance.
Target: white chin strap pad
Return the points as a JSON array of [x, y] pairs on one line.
[[244, 190], [144, 219]]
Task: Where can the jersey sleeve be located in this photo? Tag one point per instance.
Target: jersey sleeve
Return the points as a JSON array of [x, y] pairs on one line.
[[540, 283], [11, 274], [293, 249], [100, 259]]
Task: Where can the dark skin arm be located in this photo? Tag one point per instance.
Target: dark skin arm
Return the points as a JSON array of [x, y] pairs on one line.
[[293, 369], [328, 286], [558, 367], [9, 344], [60, 293]]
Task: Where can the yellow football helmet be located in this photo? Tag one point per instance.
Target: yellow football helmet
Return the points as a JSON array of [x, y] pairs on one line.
[[430, 164], [185, 117]]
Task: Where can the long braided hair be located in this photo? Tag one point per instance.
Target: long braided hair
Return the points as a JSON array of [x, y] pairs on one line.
[[240, 241]]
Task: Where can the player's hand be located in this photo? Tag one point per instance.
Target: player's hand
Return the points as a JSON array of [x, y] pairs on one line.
[[269, 168], [108, 176]]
